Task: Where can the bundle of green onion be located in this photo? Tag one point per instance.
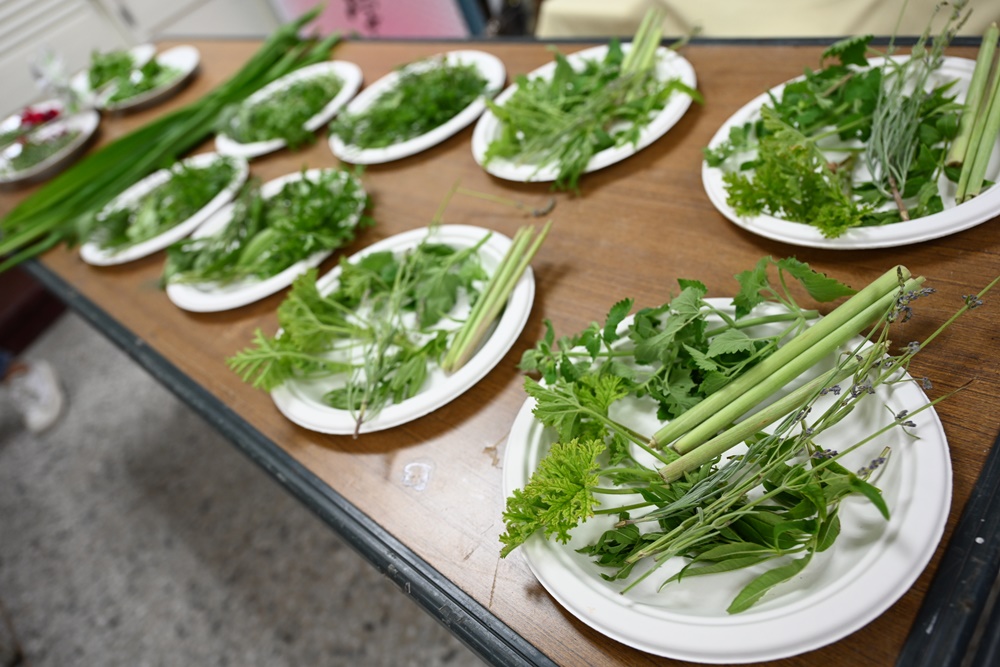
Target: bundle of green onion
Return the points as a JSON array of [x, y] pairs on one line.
[[55, 213]]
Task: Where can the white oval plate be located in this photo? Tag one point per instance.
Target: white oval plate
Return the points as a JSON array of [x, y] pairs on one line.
[[302, 401], [213, 297], [489, 66], [350, 76], [184, 59], [670, 65], [85, 122], [13, 121], [80, 82], [871, 565], [949, 221], [94, 254]]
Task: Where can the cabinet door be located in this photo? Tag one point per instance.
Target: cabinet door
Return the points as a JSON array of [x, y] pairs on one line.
[[69, 28]]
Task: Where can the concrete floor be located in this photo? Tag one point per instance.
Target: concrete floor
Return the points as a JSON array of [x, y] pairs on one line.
[[131, 533]]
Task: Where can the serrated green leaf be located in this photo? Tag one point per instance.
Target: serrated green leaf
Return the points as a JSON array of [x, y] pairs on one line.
[[820, 286], [730, 341]]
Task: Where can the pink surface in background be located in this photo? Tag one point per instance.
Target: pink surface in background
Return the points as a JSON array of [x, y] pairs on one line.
[[392, 18]]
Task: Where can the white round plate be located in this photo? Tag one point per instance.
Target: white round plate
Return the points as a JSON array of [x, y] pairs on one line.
[[84, 122], [302, 401], [184, 59], [13, 121], [80, 82], [670, 65], [871, 565], [949, 221], [350, 76], [213, 297], [489, 66], [94, 254]]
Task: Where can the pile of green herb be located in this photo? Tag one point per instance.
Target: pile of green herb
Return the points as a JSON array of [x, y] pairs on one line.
[[107, 67], [267, 235], [32, 149], [848, 145], [283, 114], [57, 211], [672, 492], [188, 189], [149, 77], [565, 120], [391, 318], [426, 95]]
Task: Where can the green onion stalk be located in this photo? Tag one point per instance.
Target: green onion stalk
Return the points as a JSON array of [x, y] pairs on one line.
[[58, 211]]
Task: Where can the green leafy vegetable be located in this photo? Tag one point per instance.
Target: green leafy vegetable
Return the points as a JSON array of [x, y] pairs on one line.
[[848, 145], [283, 114], [108, 66], [564, 120], [426, 95], [318, 212], [150, 76], [33, 149], [777, 503], [187, 190]]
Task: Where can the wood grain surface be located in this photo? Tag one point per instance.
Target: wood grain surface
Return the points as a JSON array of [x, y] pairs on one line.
[[635, 229]]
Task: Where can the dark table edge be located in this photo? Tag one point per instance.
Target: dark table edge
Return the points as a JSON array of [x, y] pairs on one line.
[[463, 616]]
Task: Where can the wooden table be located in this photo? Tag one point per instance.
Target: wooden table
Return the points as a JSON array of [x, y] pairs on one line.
[[638, 227]]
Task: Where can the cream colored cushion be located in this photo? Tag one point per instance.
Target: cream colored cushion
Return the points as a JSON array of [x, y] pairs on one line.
[[751, 18]]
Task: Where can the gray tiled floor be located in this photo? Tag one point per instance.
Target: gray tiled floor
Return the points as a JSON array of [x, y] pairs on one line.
[[133, 534]]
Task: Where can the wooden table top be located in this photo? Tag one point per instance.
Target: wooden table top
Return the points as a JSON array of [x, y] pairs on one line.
[[637, 227]]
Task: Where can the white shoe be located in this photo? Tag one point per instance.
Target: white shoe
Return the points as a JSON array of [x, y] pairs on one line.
[[37, 395]]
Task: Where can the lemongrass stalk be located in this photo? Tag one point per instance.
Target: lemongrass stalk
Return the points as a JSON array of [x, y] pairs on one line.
[[495, 298], [506, 266], [792, 368], [958, 152], [873, 293], [739, 432], [984, 141], [646, 33]]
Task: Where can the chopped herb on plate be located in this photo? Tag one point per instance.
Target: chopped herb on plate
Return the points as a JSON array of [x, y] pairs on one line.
[[855, 143], [583, 106], [426, 95], [282, 114], [267, 233], [187, 190]]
